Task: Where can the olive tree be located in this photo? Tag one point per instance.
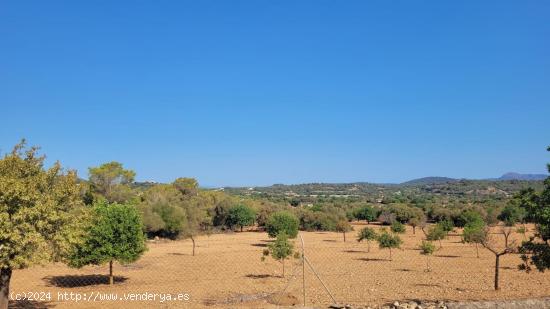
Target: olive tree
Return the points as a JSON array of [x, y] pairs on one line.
[[38, 212], [398, 227], [113, 233], [343, 227], [280, 249], [367, 234], [388, 241]]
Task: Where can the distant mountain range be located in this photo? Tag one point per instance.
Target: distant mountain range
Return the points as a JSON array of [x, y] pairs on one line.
[[507, 176]]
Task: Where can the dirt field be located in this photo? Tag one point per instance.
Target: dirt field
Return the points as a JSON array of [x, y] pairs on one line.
[[227, 272]]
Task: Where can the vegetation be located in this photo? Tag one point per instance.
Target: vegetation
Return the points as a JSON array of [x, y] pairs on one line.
[[388, 241], [111, 182], [368, 234], [37, 213], [343, 227], [398, 227], [280, 249], [427, 248], [113, 233], [536, 251], [240, 215], [491, 244], [474, 233], [282, 222]]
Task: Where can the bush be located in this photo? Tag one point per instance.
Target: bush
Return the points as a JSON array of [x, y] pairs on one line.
[[367, 213], [240, 215], [398, 227], [386, 217], [367, 234], [282, 221]]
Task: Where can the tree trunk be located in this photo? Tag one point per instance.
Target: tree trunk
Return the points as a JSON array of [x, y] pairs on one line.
[[427, 263], [440, 245], [241, 228], [414, 230], [477, 251], [283, 267], [344, 236], [193, 240], [5, 277], [368, 245], [111, 278], [497, 262]]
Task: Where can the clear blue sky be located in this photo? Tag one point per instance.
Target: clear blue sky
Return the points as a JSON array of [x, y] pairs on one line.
[[262, 92]]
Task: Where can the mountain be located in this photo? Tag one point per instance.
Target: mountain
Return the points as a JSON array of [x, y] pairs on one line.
[[428, 181], [518, 176]]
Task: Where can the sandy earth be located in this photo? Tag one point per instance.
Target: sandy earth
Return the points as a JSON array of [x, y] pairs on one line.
[[227, 272]]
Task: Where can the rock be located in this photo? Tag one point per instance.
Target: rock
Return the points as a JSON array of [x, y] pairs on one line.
[[396, 304]]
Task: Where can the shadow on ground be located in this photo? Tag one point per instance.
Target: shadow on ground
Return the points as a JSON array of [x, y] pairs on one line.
[[373, 260], [28, 304], [73, 281]]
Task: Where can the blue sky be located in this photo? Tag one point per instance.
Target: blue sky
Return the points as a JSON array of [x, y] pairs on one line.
[[262, 92]]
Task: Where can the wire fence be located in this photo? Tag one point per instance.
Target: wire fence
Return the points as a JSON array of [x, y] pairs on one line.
[[227, 272]]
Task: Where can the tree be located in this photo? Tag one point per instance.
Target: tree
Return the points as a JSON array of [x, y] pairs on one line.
[[282, 221], [389, 241], [427, 248], [280, 249], [111, 181], [367, 234], [474, 233], [240, 215], [536, 251], [512, 214], [162, 211], [113, 233], [490, 244], [398, 227], [468, 216], [436, 232], [367, 213], [187, 186], [38, 212], [418, 219], [343, 227]]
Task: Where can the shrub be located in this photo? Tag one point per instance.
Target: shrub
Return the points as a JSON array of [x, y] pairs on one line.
[[427, 248], [240, 215], [398, 227], [436, 232], [282, 221], [343, 226], [367, 213]]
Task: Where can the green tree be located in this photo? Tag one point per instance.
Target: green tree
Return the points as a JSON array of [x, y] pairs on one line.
[[468, 216], [388, 241], [162, 211], [436, 232], [474, 233], [427, 248], [282, 221], [512, 214], [536, 251], [111, 181], [280, 249], [367, 213], [343, 227], [114, 233], [398, 227], [38, 211], [368, 234], [241, 215]]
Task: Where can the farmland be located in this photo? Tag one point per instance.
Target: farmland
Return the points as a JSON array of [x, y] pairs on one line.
[[227, 272]]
